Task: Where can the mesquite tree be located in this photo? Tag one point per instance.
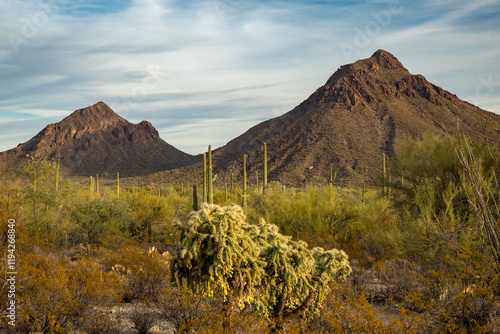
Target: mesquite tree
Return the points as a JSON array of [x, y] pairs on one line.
[[254, 264]]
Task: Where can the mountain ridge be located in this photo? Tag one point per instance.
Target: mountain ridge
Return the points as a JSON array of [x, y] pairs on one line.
[[96, 140], [363, 110]]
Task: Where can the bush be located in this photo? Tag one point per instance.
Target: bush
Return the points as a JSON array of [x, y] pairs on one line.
[[55, 294], [142, 318], [143, 274], [100, 218]]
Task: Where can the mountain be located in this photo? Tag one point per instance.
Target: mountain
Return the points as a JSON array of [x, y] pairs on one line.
[[96, 140], [364, 109]]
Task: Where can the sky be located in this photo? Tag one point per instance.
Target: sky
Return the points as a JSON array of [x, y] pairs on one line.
[[203, 72]]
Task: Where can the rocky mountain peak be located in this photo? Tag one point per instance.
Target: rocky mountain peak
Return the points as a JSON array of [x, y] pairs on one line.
[[96, 140], [387, 60]]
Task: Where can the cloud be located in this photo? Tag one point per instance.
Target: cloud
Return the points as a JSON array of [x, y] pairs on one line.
[[193, 67]]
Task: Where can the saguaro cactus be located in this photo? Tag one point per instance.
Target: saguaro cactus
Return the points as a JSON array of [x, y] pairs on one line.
[[195, 198], [118, 184], [204, 178], [244, 202], [265, 166], [91, 185], [210, 178], [97, 184]]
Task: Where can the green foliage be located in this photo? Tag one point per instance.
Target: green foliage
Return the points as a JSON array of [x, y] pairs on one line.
[[40, 172], [430, 168], [55, 294], [99, 218], [219, 250], [332, 217], [297, 278], [424, 262], [437, 219]]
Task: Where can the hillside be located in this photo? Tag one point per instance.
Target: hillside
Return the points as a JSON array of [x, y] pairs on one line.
[[363, 110], [96, 140]]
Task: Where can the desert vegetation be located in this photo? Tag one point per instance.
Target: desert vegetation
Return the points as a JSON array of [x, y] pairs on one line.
[[415, 252]]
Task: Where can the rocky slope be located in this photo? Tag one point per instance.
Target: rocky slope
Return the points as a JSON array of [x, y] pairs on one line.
[[95, 140], [364, 109]]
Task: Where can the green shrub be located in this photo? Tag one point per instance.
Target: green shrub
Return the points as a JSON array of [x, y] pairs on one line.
[[99, 218]]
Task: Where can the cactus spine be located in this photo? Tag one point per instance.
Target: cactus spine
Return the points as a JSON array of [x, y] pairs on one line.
[[195, 198], [244, 203], [210, 179], [204, 178], [265, 166], [57, 174]]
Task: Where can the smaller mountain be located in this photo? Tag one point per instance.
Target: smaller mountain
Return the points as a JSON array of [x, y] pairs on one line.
[[96, 140]]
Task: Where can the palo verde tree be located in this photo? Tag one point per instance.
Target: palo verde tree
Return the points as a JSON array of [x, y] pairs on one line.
[[220, 250]]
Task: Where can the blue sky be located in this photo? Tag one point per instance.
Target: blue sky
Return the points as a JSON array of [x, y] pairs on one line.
[[203, 72]]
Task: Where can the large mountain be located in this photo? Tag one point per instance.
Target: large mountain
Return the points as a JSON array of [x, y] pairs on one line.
[[95, 140], [364, 109]]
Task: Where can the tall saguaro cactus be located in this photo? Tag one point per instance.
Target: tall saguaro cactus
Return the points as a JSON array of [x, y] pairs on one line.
[[265, 166], [195, 198], [331, 174], [97, 184], [118, 184], [244, 202], [210, 178], [91, 185], [204, 178]]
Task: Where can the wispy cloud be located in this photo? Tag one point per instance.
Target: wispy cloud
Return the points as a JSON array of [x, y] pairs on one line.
[[193, 67]]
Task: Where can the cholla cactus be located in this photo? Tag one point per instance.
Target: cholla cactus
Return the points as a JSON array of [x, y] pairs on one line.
[[254, 264], [217, 251], [296, 278]]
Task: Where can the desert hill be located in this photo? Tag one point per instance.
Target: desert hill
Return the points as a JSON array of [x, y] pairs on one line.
[[96, 140], [364, 109]]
